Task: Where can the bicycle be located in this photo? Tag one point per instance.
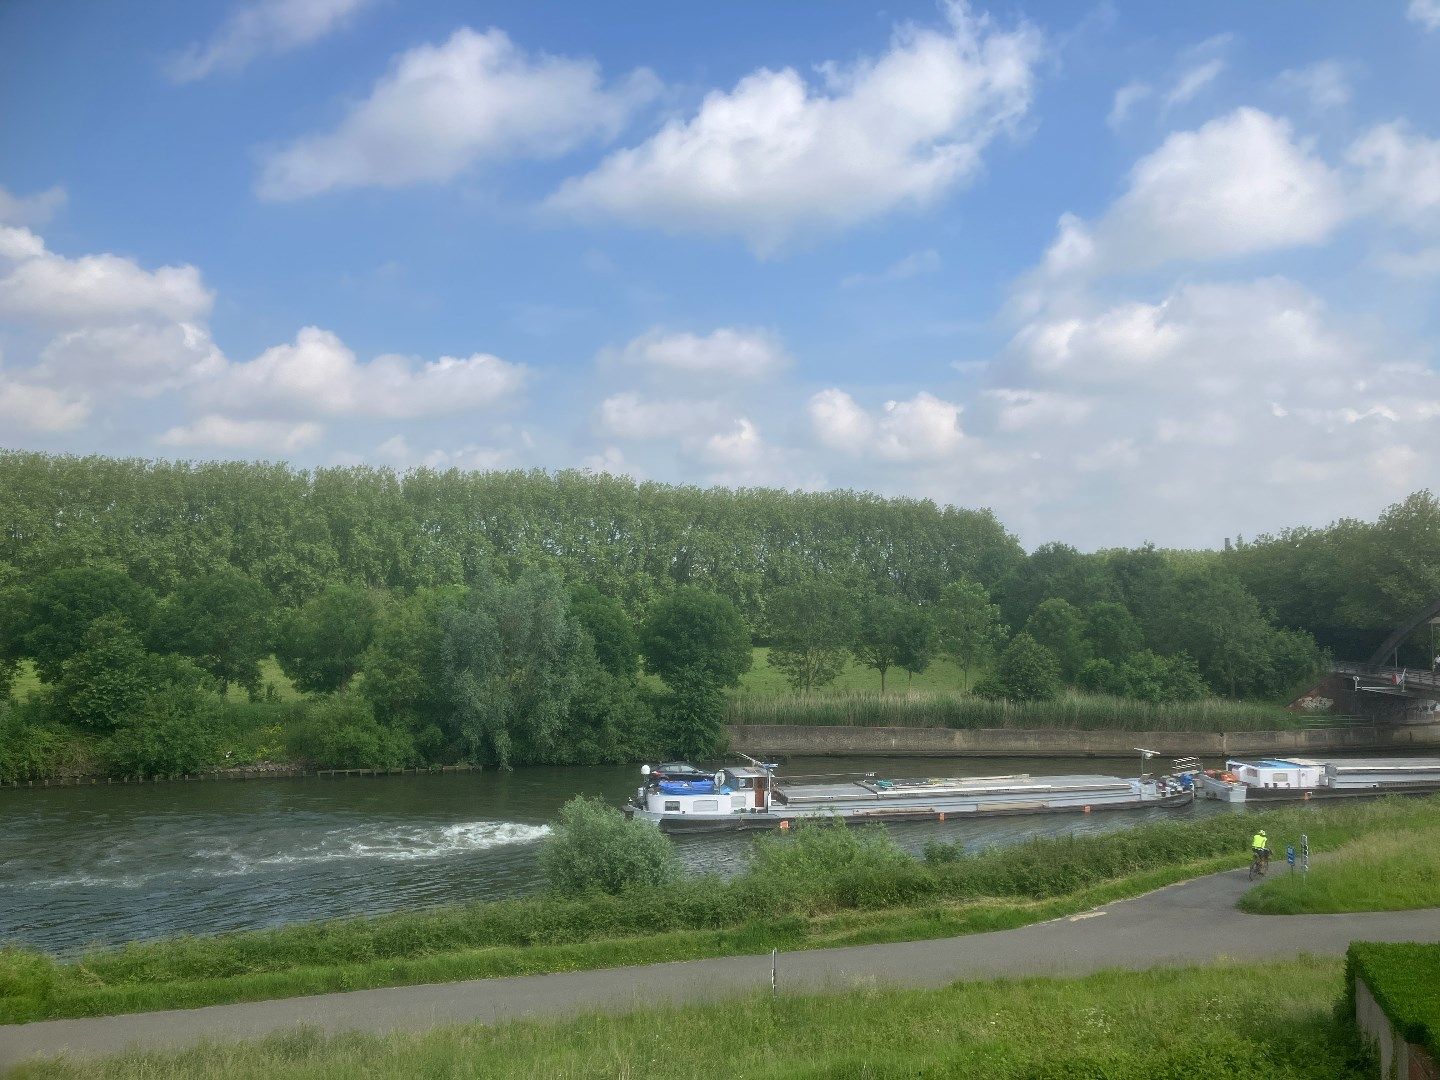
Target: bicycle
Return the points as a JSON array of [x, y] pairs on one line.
[[1260, 863]]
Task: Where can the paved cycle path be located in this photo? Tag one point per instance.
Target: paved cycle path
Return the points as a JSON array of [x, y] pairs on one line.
[[1190, 923]]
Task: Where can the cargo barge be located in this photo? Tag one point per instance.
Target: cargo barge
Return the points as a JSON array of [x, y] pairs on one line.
[[754, 797], [1280, 779]]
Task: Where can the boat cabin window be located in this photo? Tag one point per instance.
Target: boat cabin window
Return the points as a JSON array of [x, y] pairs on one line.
[[737, 801], [707, 804], [672, 804]]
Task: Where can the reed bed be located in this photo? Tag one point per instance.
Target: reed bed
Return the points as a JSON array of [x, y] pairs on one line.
[[1080, 712]]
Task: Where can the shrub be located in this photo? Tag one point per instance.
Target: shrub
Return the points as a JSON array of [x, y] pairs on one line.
[[341, 732], [594, 848], [173, 732], [31, 748], [1026, 671], [826, 865]]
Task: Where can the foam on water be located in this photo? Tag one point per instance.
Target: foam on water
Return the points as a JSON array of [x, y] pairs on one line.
[[408, 843]]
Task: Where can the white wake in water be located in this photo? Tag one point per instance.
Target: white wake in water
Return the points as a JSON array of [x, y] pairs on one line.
[[394, 843], [409, 843]]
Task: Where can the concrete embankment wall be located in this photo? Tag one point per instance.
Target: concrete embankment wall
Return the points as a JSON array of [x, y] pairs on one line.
[[839, 741]]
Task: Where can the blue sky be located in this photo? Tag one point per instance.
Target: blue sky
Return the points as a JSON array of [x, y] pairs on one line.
[[1122, 272]]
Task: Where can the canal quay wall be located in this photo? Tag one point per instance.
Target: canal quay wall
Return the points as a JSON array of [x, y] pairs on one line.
[[842, 741]]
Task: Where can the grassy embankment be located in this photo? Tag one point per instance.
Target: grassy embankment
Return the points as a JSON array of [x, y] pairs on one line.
[[1275, 1021], [1392, 871], [1405, 980], [822, 894]]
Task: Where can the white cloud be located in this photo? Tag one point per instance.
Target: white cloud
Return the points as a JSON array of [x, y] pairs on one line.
[[1239, 185], [1252, 396], [924, 428], [726, 353], [40, 408], [42, 287], [1021, 409], [441, 109], [1125, 100], [628, 415], [263, 436], [1425, 12], [259, 28], [1325, 83], [739, 447], [139, 358], [912, 265], [839, 422], [319, 374], [30, 209], [1193, 80], [775, 156], [1400, 173]]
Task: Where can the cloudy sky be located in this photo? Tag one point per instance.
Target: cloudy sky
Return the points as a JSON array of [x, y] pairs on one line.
[[1122, 271]]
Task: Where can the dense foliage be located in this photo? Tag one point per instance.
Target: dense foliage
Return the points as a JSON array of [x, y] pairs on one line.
[[594, 848], [531, 617]]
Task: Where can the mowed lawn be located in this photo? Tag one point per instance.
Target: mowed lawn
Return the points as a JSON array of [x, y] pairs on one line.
[[1272, 1021], [28, 683], [762, 680]]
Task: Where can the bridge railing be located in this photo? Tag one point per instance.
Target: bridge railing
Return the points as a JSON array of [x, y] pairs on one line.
[[1398, 677]]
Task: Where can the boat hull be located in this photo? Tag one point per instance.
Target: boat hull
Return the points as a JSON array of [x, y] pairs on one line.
[[787, 816]]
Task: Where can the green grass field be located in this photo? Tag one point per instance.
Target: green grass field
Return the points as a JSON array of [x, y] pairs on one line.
[[762, 680], [1275, 1021], [1393, 871], [28, 683]]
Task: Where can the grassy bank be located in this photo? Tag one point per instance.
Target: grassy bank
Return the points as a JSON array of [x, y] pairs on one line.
[[821, 887], [1082, 712], [1273, 1021], [1396, 871]]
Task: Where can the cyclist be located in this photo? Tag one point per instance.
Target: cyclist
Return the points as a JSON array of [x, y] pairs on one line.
[[1260, 851]]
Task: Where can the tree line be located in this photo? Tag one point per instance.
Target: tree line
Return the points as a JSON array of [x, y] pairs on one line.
[[513, 617]]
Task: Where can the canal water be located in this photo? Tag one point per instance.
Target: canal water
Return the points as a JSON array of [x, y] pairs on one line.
[[86, 865]]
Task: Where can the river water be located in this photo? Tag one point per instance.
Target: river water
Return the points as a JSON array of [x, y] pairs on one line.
[[86, 865]]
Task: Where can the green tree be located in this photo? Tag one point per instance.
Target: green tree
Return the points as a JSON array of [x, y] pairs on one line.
[[174, 732], [617, 645], [107, 682], [1147, 676], [692, 631], [1026, 671], [403, 673], [692, 717], [340, 731], [1059, 626], [593, 848], [321, 644], [64, 604], [1111, 630], [222, 621], [811, 627], [512, 658], [918, 642], [877, 642], [969, 624], [1101, 676], [610, 722]]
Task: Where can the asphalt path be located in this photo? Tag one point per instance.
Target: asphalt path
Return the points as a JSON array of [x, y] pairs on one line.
[[1190, 923]]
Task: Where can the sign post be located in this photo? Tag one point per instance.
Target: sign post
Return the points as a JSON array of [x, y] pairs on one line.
[[1304, 853]]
